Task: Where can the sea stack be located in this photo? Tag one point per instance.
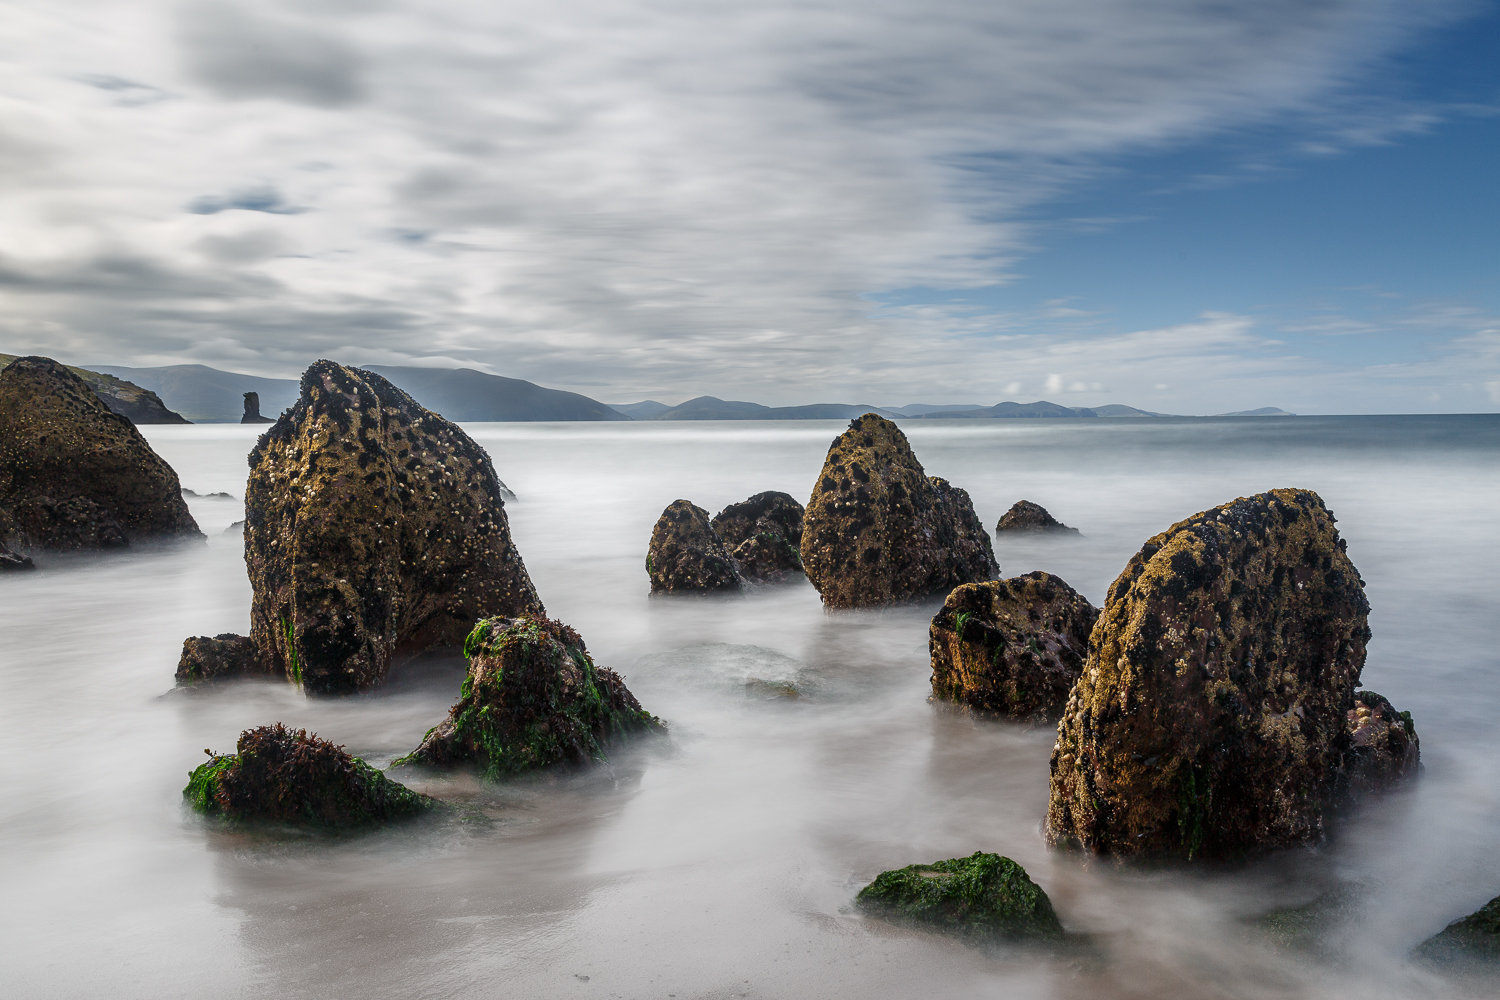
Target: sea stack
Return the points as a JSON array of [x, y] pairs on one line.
[[1025, 517], [252, 410], [74, 474], [878, 529], [763, 536], [687, 555]]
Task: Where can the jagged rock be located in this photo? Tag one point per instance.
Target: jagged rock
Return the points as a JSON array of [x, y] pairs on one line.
[[878, 529], [762, 535], [983, 895], [1011, 647], [11, 561], [373, 528], [74, 475], [1027, 517], [224, 656], [687, 555], [252, 410], [1475, 938], [289, 776], [1384, 749], [533, 697], [1211, 715]]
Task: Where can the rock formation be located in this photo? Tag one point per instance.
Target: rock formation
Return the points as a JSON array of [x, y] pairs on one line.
[[1475, 938], [1011, 647], [763, 536], [1211, 717], [983, 895], [288, 776], [687, 555], [1383, 746], [878, 529], [1025, 517], [252, 410], [138, 405], [533, 697], [10, 561], [73, 474], [219, 658]]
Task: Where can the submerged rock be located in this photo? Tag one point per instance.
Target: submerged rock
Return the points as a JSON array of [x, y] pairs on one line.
[[1011, 647], [1383, 746], [533, 697], [1211, 715], [10, 561], [763, 536], [219, 658], [373, 528], [983, 895], [1027, 517], [289, 776], [878, 529], [687, 555], [1474, 938], [73, 474]]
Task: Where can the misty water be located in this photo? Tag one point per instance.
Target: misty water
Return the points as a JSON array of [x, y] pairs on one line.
[[722, 859]]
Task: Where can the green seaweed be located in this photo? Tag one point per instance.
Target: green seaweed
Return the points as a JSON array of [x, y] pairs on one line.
[[1191, 810], [290, 633], [983, 895], [203, 782]]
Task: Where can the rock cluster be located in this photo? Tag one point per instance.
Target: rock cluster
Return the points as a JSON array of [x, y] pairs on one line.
[[1475, 938], [983, 895], [533, 697], [879, 530], [73, 474], [687, 555], [1025, 517], [1011, 647], [763, 536]]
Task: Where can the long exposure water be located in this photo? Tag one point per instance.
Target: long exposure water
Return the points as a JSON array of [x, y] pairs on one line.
[[722, 860]]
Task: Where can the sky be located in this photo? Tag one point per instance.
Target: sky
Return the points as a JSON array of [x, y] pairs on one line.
[[1190, 206]]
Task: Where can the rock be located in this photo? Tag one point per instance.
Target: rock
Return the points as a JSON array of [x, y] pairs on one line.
[[74, 475], [289, 776], [252, 410], [1211, 715], [1025, 517], [984, 895], [1384, 749], [1312, 927], [139, 406], [687, 555], [878, 529], [224, 656], [1475, 938], [236, 528], [373, 529], [11, 561], [762, 535], [1011, 647], [533, 698]]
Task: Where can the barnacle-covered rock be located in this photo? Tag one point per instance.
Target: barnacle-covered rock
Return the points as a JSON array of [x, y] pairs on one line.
[[1383, 746], [218, 658], [1025, 517], [1475, 938], [1010, 647], [687, 555], [983, 895], [878, 529], [763, 535]]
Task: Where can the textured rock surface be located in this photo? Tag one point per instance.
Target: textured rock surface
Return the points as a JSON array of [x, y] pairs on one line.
[[373, 528], [763, 536], [1474, 938], [10, 561], [286, 775], [74, 475], [687, 555], [1027, 517], [983, 895], [1011, 647], [222, 657], [879, 530], [1383, 746], [533, 697], [1211, 715]]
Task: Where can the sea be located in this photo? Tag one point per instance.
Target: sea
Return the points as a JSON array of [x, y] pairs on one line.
[[802, 757]]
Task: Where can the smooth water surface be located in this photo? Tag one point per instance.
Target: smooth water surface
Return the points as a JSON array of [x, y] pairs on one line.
[[722, 859]]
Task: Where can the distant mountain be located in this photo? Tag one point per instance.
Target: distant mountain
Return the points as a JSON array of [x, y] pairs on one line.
[[713, 408], [922, 409], [207, 395], [1264, 411], [648, 409], [1121, 410], [134, 403], [1041, 408], [468, 395]]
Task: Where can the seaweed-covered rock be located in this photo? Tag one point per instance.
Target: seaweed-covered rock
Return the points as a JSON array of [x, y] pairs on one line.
[[878, 529], [1383, 746], [289, 776], [1025, 517], [687, 555], [763, 536], [373, 528], [1211, 715], [1474, 938], [533, 697], [219, 658], [1010, 647], [983, 895], [73, 474]]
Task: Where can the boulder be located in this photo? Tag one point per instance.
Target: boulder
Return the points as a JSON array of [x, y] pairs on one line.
[[763, 536], [1025, 517], [1010, 647], [290, 776], [983, 895], [1475, 938], [533, 697], [878, 529], [687, 555], [373, 529], [73, 474], [219, 658], [1384, 750], [1211, 717]]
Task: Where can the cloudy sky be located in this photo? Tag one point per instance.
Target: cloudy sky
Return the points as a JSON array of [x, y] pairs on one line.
[[1185, 205]]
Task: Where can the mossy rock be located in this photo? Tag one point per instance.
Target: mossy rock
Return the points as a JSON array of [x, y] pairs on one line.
[[1475, 938], [983, 895]]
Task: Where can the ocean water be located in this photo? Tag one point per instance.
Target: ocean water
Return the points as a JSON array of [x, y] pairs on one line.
[[722, 860]]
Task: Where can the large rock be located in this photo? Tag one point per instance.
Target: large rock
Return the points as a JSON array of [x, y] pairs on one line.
[[533, 697], [878, 529], [1011, 647], [983, 895], [1211, 717], [373, 528], [763, 536], [73, 474], [1475, 938], [1025, 517], [288, 776], [687, 555]]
